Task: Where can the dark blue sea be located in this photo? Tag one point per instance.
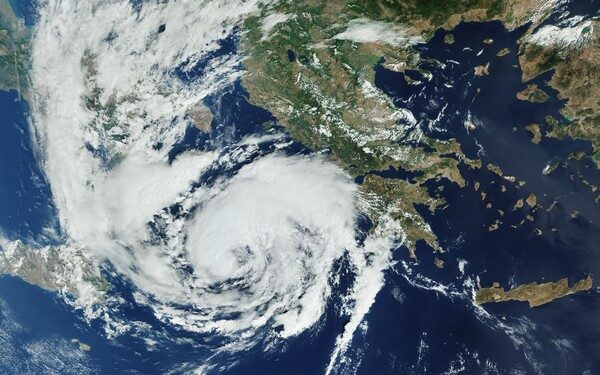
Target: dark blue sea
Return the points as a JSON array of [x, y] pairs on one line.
[[423, 320], [26, 207]]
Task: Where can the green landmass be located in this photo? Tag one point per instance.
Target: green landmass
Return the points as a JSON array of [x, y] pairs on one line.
[[51, 268], [576, 77], [15, 57], [320, 86]]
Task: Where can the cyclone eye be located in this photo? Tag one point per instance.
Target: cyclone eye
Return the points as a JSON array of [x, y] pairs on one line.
[[243, 255]]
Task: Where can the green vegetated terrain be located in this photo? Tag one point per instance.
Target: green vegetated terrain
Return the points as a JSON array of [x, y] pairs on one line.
[[319, 83], [14, 51]]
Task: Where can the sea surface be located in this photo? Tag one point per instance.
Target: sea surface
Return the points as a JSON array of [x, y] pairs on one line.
[[435, 329], [26, 208], [423, 320]]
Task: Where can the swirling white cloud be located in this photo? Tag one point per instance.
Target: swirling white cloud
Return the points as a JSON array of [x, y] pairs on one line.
[[255, 248]]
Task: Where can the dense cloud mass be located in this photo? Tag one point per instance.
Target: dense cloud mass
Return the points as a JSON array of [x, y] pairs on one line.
[[252, 248]]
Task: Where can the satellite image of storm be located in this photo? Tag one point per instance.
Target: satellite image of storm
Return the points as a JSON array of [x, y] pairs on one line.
[[299, 187]]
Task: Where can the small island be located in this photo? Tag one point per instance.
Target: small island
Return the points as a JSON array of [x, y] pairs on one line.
[[503, 52], [482, 70], [532, 94], [534, 129], [82, 346]]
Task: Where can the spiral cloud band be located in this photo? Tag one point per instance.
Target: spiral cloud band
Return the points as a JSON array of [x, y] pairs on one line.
[[208, 245]]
